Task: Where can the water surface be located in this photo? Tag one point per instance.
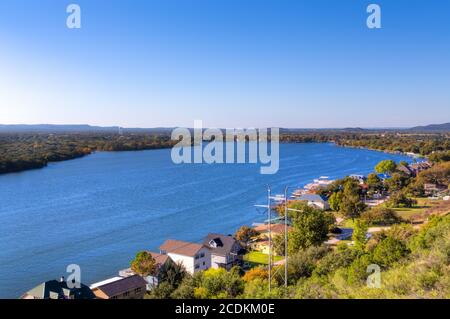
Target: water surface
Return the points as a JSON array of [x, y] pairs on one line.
[[98, 211]]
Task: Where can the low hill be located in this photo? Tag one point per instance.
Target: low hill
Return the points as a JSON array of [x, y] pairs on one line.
[[80, 128], [432, 128]]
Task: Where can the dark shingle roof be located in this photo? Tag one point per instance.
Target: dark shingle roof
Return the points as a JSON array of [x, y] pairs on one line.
[[54, 289], [123, 285], [224, 243]]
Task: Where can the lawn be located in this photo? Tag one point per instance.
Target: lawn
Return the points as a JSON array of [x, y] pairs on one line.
[[256, 257], [411, 213]]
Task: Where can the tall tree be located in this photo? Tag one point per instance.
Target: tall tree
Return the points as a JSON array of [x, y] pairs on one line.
[[359, 235], [172, 273], [385, 167], [374, 182], [335, 201], [144, 264], [278, 244], [310, 229], [245, 234], [351, 205]]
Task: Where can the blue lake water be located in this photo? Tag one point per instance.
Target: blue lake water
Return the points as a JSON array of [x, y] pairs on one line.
[[98, 211]]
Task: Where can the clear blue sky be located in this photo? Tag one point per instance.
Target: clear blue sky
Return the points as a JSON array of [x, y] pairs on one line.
[[231, 63]]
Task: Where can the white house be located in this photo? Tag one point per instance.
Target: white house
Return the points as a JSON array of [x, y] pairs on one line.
[[360, 178], [194, 257], [226, 251], [315, 200]]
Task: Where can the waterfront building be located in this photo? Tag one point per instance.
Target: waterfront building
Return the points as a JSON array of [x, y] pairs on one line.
[[194, 257]]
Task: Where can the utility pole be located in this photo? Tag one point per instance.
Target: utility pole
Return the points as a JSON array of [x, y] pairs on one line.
[[286, 220], [286, 237], [269, 214], [269, 227]]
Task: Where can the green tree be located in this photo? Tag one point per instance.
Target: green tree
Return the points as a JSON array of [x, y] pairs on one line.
[[310, 229], [437, 157], [388, 251], [374, 182], [342, 257], [144, 264], [245, 234], [385, 167], [397, 182], [438, 174], [335, 201], [172, 273], [400, 199], [351, 205], [298, 207], [359, 235], [218, 283], [380, 216], [278, 242], [303, 262], [402, 232], [186, 289], [259, 289], [162, 291], [357, 272]]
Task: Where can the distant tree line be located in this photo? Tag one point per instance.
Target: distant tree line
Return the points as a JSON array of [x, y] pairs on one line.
[[20, 152]]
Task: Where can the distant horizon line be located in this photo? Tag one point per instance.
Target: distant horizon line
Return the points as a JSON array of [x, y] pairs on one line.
[[172, 127]]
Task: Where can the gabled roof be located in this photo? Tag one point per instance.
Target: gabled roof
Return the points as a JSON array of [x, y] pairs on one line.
[[180, 247], [222, 244], [274, 228], [104, 282], [122, 285], [418, 167], [312, 198], [405, 169], [54, 289], [160, 259]]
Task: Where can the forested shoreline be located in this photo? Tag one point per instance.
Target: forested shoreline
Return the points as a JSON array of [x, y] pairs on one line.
[[24, 151], [20, 152]]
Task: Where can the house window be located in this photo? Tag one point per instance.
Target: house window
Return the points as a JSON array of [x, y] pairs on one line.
[[202, 255], [197, 256], [197, 266], [204, 263], [137, 290], [126, 294]]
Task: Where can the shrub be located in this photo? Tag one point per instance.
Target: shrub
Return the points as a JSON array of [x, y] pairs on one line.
[[255, 273], [434, 231], [302, 263], [357, 272], [400, 199], [389, 251], [402, 232], [259, 289], [340, 258], [380, 216]]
